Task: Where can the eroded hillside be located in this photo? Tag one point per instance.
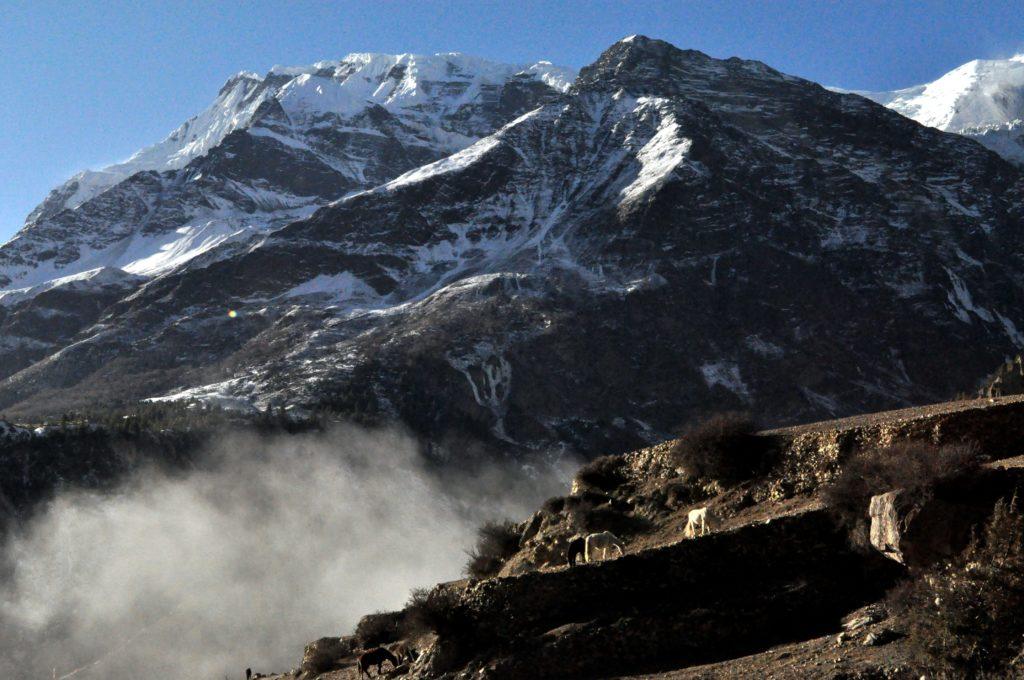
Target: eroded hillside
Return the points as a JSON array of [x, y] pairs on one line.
[[781, 585]]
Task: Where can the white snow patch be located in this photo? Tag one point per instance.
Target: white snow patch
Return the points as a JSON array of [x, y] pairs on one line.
[[1011, 330], [215, 394], [820, 400], [343, 287], [763, 347], [967, 258], [489, 375], [963, 303], [725, 374], [659, 157], [452, 163], [91, 278]]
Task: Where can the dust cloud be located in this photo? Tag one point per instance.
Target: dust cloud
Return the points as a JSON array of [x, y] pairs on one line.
[[267, 545]]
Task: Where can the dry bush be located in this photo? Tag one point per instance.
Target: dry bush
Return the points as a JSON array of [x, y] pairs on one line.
[[592, 519], [376, 629], [496, 543], [437, 611], [605, 473], [915, 466], [964, 619], [724, 447], [679, 493], [554, 505]]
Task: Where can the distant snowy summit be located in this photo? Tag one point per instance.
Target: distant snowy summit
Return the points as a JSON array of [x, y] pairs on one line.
[[269, 150], [983, 99], [432, 86]]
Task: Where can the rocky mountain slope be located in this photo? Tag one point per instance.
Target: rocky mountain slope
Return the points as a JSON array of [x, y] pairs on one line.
[[673, 234], [982, 99], [777, 587], [267, 151]]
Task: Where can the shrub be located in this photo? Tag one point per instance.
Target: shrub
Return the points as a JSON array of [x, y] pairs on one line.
[[679, 494], [496, 543], [437, 610], [592, 519], [724, 447], [916, 466], [604, 473], [376, 629], [964, 619], [554, 505]]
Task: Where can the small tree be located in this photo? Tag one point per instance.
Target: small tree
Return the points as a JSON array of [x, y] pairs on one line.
[[436, 610], [724, 447], [496, 543], [914, 466], [378, 628], [605, 473]]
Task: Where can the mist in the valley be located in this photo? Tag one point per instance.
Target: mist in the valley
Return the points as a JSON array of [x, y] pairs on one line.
[[239, 563]]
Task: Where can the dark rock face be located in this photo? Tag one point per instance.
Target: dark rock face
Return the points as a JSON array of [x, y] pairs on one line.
[[322, 655], [919, 529], [677, 234], [916, 531]]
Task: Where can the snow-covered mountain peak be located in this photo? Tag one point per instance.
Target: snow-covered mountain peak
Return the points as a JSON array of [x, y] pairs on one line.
[[269, 150], [983, 98], [429, 237], [435, 85], [241, 75]]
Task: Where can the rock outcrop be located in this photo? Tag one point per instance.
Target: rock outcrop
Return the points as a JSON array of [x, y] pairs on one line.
[[324, 654], [917, 531]]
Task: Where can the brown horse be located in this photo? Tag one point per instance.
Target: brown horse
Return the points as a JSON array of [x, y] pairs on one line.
[[375, 657]]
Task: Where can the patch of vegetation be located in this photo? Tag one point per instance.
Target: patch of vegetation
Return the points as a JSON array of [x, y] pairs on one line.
[[724, 447], [379, 628], [496, 543], [964, 619], [554, 505], [605, 473], [436, 610], [914, 466], [592, 519]]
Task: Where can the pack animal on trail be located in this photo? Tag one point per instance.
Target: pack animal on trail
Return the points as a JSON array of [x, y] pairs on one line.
[[603, 541], [697, 523], [577, 546], [375, 657]]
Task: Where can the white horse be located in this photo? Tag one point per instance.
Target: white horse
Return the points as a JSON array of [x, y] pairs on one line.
[[697, 523], [604, 542]]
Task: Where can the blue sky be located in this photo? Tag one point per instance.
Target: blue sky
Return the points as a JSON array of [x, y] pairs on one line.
[[86, 84]]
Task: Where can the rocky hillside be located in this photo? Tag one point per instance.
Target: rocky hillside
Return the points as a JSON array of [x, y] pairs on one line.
[[781, 585], [673, 234]]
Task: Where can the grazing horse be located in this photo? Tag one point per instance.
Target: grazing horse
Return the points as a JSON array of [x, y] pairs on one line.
[[576, 548], [375, 657], [696, 523], [604, 542]]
